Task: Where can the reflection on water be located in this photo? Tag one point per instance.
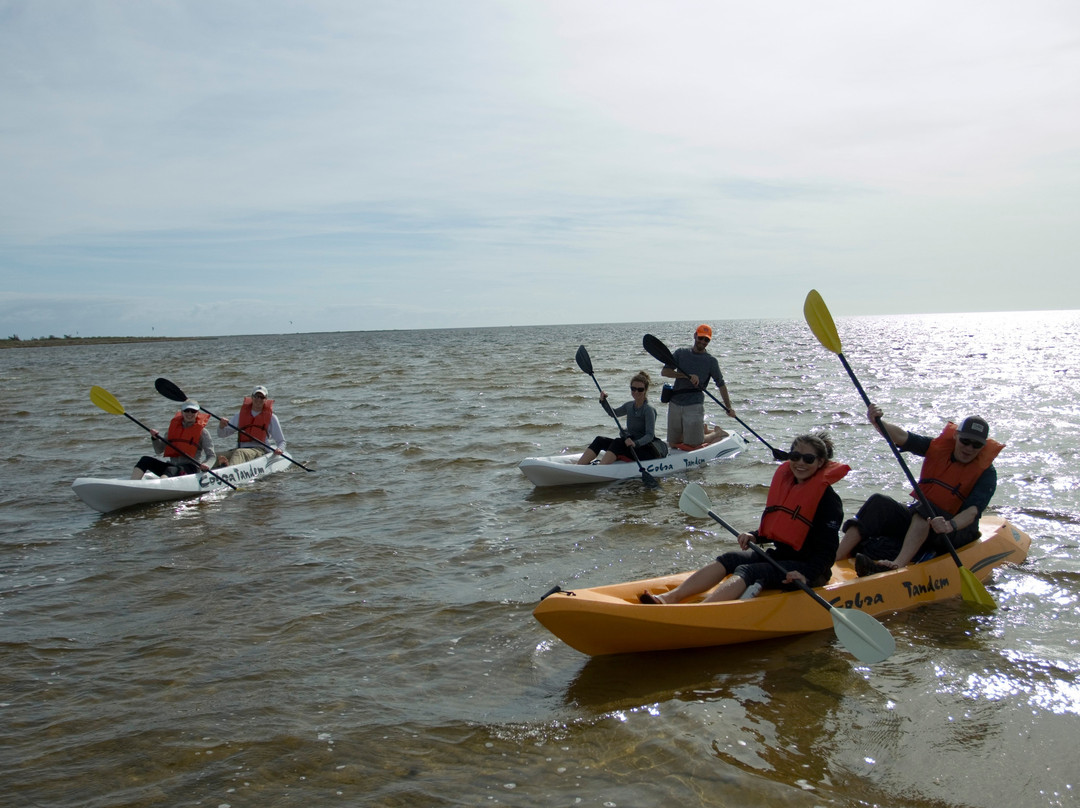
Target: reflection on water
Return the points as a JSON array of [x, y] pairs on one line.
[[364, 633]]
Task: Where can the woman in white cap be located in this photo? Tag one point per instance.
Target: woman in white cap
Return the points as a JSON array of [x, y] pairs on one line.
[[256, 426], [188, 441]]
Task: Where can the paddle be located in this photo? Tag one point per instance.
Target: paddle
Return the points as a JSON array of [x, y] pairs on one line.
[[108, 402], [659, 351], [585, 363], [860, 633], [821, 323], [174, 393]]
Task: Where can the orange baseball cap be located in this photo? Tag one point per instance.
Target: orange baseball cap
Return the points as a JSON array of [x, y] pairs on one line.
[[703, 331]]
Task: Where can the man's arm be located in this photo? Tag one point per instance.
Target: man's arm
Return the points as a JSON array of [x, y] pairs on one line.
[[726, 399], [276, 435], [226, 428], [206, 448], [898, 435]]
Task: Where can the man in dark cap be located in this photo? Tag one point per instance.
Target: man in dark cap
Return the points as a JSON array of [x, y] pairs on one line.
[[957, 478]]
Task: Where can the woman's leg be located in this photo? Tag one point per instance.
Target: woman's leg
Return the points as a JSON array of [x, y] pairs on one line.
[[147, 463], [587, 457], [730, 589], [705, 578], [599, 444]]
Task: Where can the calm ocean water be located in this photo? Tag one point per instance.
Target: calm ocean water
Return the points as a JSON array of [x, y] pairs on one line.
[[363, 635]]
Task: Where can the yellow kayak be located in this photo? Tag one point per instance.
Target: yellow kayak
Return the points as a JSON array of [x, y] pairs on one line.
[[610, 620]]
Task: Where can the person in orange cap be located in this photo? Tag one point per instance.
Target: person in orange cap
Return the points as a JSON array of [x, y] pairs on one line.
[[686, 409]]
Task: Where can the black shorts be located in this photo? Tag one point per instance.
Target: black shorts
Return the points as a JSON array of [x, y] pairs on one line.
[[883, 522]]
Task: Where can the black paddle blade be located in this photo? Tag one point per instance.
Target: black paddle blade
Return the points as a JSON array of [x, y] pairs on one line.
[[169, 390], [583, 360], [648, 480], [658, 350]]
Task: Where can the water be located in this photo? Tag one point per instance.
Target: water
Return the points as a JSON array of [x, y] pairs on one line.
[[363, 635]]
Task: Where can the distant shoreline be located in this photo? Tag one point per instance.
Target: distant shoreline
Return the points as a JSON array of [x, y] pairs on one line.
[[51, 342]]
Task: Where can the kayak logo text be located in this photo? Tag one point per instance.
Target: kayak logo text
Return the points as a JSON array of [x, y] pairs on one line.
[[236, 475], [860, 600], [931, 585], [659, 467], [689, 463]]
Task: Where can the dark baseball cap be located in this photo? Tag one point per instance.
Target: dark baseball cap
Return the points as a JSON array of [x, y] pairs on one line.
[[974, 427]]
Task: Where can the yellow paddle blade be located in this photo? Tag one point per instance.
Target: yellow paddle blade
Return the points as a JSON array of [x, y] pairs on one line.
[[106, 400], [973, 591], [821, 322]]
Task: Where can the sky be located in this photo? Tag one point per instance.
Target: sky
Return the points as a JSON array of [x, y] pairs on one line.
[[210, 167]]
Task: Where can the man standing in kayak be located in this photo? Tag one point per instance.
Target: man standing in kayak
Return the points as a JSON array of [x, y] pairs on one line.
[[958, 479], [255, 422], [686, 410]]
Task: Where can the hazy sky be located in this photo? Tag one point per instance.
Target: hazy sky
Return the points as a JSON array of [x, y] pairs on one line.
[[222, 167]]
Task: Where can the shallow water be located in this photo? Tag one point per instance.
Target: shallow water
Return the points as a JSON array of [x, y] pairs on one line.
[[362, 635]]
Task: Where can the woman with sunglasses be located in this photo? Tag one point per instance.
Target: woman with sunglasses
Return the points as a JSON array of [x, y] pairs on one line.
[[640, 429], [801, 518], [958, 478], [190, 448]]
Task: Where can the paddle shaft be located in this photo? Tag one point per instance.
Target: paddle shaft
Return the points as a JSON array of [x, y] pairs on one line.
[[177, 449], [662, 354]]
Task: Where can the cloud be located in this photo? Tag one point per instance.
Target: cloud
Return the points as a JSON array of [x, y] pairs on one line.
[[368, 165]]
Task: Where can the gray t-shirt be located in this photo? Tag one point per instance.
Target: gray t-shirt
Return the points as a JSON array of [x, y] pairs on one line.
[[640, 423], [704, 366]]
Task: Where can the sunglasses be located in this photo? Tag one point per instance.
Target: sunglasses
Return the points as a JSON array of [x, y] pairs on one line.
[[190, 410], [703, 339], [637, 389], [806, 458], [978, 444]]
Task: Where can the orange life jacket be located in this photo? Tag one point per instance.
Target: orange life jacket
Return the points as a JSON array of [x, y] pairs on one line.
[[947, 483], [258, 426], [791, 505], [185, 438]]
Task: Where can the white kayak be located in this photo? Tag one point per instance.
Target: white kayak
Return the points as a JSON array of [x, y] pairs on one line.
[[563, 469], [107, 495]]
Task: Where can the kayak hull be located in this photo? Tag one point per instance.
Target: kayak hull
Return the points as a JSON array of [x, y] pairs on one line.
[[610, 619], [563, 469], [107, 495]]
